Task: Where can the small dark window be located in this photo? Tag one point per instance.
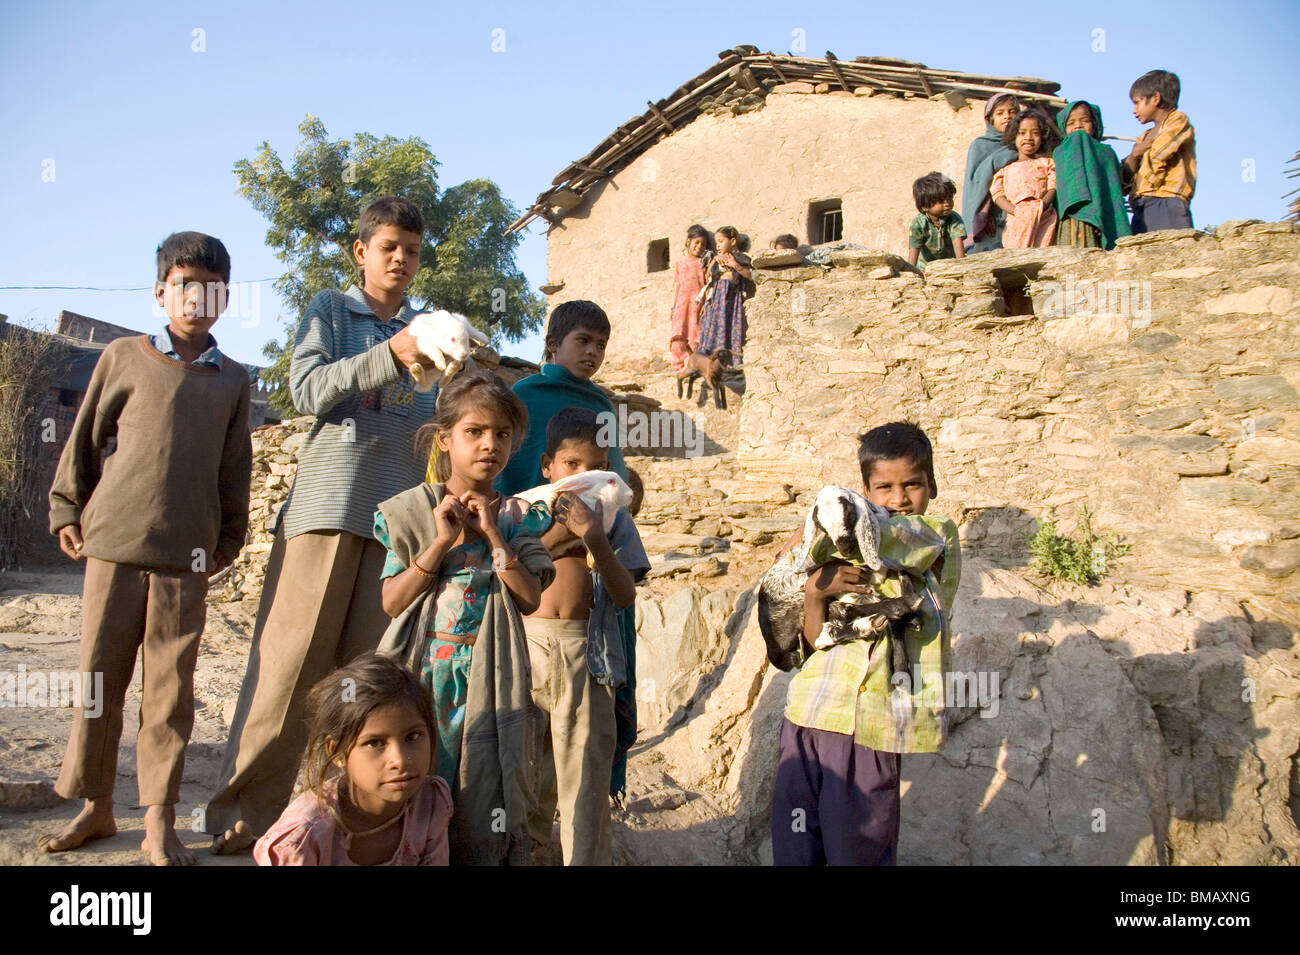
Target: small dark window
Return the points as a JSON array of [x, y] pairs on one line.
[[1014, 286], [825, 221], [656, 257]]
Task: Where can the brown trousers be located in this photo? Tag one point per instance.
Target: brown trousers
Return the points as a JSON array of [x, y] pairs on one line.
[[125, 609], [576, 738], [320, 608]]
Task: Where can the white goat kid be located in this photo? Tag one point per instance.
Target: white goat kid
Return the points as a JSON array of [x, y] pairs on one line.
[[591, 487], [447, 339]]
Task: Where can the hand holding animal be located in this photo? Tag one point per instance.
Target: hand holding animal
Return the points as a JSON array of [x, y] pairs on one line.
[[597, 489], [447, 340]]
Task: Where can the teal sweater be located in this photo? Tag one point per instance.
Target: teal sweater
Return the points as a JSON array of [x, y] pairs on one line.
[[544, 394]]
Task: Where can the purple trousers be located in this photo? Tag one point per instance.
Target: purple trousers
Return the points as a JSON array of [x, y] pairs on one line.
[[835, 803]]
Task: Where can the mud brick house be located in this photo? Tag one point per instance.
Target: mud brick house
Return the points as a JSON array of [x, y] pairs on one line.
[[826, 149]]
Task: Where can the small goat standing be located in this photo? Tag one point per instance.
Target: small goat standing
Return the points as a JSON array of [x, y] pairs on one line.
[[708, 368]]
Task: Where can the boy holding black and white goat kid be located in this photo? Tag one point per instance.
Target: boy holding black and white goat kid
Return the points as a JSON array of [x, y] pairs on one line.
[[860, 598]]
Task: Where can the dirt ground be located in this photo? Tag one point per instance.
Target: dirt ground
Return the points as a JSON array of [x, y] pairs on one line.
[[40, 619]]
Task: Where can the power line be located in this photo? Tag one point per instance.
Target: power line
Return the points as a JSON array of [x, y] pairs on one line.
[[93, 288]]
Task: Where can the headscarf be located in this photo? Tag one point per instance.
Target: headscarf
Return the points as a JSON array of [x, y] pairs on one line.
[[984, 158], [1088, 178]]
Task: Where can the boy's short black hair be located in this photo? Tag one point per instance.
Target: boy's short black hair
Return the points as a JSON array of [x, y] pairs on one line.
[[567, 316], [932, 188], [786, 241], [1051, 137], [196, 250], [1157, 81], [638, 492], [571, 424], [390, 210], [898, 439]]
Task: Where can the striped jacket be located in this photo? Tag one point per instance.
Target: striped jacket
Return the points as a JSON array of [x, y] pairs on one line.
[[360, 450]]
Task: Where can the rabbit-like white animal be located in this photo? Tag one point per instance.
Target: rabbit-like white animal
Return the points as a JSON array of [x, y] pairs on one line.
[[590, 486], [447, 339]]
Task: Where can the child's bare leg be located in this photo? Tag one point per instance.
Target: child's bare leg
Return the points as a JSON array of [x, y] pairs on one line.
[[95, 821], [161, 844], [235, 839]]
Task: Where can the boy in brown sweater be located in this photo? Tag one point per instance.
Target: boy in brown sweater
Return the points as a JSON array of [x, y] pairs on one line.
[[152, 492]]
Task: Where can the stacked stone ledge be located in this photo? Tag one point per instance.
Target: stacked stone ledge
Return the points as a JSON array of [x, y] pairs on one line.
[[1174, 418]]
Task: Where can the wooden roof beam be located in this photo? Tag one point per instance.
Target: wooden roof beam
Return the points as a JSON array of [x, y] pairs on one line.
[[839, 74], [776, 69], [659, 114]]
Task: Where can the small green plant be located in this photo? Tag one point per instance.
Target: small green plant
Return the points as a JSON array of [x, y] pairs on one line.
[[1084, 560]]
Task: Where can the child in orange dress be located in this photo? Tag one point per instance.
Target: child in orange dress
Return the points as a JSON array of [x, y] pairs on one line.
[[688, 279], [1026, 188]]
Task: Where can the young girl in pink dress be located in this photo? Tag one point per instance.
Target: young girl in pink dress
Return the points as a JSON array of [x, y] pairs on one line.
[[1026, 188], [372, 728], [688, 279]]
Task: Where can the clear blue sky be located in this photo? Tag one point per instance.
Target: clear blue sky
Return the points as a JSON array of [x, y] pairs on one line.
[[143, 131]]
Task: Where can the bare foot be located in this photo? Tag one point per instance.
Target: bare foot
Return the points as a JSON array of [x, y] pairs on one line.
[[161, 844], [95, 821], [235, 839]]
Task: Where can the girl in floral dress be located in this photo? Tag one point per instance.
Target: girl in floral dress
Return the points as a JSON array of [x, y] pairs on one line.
[[472, 536], [722, 323]]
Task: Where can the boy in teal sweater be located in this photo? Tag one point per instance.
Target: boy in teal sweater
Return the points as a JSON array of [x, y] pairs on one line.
[[576, 335]]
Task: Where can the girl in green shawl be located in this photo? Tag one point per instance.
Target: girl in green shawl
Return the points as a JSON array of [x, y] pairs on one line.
[[983, 219], [1089, 197]]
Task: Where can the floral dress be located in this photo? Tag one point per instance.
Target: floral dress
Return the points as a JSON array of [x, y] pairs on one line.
[[461, 592], [722, 323]]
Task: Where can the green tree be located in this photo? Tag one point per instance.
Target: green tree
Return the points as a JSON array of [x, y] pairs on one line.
[[467, 263]]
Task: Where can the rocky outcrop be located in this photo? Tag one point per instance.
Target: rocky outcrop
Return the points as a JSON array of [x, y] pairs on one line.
[[1112, 725], [275, 461]]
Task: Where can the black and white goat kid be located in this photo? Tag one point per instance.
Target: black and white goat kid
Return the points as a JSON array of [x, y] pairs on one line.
[[852, 524]]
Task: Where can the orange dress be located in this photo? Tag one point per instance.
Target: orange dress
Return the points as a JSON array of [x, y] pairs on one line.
[[1024, 183], [684, 325]]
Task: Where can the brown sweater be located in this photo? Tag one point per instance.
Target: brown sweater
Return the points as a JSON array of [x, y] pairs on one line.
[[157, 465]]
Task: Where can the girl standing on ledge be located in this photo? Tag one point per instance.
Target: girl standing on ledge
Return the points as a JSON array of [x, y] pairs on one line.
[[688, 280], [722, 324]]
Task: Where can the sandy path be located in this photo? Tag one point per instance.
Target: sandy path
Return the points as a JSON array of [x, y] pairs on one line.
[[40, 620]]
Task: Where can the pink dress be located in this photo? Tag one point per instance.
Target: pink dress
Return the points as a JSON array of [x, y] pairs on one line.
[[1023, 184], [306, 835], [684, 326]]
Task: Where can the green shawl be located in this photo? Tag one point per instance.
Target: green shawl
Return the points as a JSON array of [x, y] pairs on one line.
[[1088, 179]]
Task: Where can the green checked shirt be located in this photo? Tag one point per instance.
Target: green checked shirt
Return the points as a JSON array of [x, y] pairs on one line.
[[846, 688]]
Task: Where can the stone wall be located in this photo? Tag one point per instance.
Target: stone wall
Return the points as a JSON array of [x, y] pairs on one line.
[[1155, 384], [865, 150]]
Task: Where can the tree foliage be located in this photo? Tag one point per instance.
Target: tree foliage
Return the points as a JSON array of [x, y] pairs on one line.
[[467, 262]]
